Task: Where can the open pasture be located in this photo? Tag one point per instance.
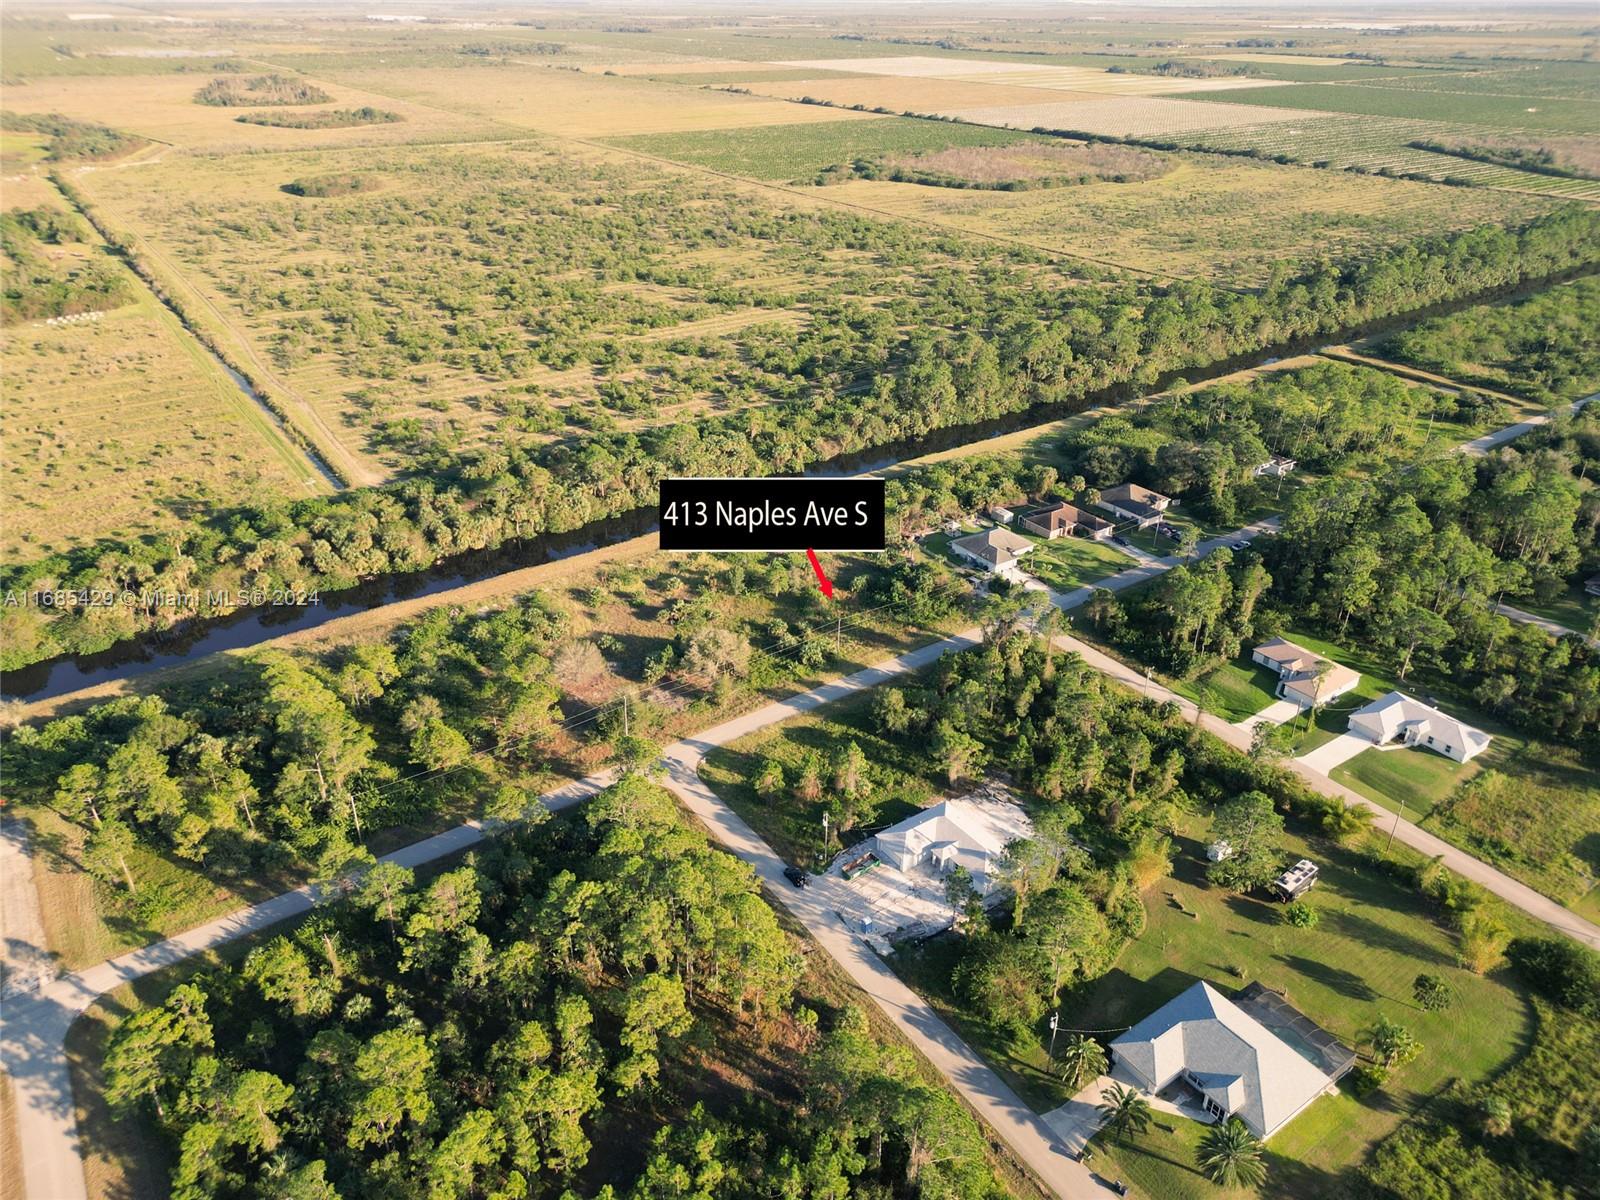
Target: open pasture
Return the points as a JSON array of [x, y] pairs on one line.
[[578, 104], [1051, 78], [523, 293], [162, 108], [1478, 108], [798, 151], [1382, 145], [1133, 116], [1224, 220], [118, 423], [905, 93]]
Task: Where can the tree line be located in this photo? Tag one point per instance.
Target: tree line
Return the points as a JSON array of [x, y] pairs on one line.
[[1060, 344], [545, 1019]]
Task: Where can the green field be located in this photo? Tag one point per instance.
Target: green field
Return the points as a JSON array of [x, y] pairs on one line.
[[1499, 112], [1234, 690], [798, 151]]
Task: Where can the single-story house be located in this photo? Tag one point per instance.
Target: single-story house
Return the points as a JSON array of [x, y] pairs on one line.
[[1306, 678], [1398, 718], [1277, 466], [995, 550], [1061, 520], [953, 833], [1130, 502], [1238, 1065]]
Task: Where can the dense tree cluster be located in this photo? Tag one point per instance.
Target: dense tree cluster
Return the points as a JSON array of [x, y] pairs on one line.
[[322, 118], [68, 140], [1203, 446], [1543, 347], [260, 90], [1044, 344], [38, 285], [508, 1029]]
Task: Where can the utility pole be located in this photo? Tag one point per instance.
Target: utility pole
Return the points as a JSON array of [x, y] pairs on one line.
[[625, 730], [1395, 828], [1055, 1024], [838, 634]]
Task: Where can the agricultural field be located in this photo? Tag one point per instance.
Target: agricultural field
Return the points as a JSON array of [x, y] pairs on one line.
[[1475, 107], [797, 152], [1228, 221], [115, 422]]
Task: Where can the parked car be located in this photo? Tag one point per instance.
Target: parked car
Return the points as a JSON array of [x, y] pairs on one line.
[[1121, 541], [1170, 532], [1242, 545], [797, 877]]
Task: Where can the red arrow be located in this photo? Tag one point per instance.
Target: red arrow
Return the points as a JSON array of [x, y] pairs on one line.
[[827, 584]]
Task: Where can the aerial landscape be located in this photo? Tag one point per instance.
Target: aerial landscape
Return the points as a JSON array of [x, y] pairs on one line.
[[761, 601]]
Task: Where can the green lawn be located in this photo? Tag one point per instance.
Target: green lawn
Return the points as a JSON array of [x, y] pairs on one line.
[[1234, 690], [1498, 112], [1417, 780], [1375, 935], [1068, 562]]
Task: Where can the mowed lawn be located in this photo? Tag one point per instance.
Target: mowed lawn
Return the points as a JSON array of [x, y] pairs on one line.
[[1234, 690], [1375, 934], [796, 151], [1068, 563]]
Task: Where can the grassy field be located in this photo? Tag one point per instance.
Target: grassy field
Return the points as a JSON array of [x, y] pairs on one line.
[[120, 423], [1478, 108], [1071, 562], [1357, 963], [1224, 220], [799, 151], [296, 281], [1234, 690]]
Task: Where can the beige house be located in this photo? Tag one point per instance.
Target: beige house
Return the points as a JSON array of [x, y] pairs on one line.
[[1277, 467], [1307, 679], [1067, 520], [1130, 502]]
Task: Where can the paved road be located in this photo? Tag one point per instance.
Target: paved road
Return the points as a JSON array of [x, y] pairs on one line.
[[1523, 617], [31, 1041], [1491, 441]]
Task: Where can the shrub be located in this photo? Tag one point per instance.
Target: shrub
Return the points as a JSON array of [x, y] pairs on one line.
[[1301, 915], [1431, 993], [1561, 970], [1365, 1079]]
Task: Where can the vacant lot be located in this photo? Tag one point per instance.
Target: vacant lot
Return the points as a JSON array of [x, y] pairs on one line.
[[119, 423], [799, 151], [1224, 220], [527, 292]]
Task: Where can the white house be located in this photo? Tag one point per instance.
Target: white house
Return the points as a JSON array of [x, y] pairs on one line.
[[1306, 678], [1002, 514], [1239, 1067], [1130, 502], [953, 833], [1277, 466], [995, 550], [1398, 718]]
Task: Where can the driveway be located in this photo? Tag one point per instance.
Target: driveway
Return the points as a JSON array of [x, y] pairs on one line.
[[1336, 753], [1275, 713]]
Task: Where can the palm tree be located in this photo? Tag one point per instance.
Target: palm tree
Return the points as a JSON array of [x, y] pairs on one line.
[[1125, 1111], [1344, 822], [1394, 1044], [1496, 1114], [1230, 1155], [1081, 1059]]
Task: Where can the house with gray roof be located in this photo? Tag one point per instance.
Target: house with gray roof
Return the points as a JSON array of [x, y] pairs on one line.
[[1397, 718], [1237, 1064]]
